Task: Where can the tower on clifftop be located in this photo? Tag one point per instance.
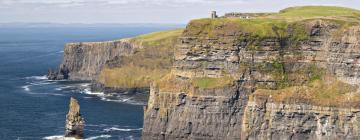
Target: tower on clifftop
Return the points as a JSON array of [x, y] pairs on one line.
[[213, 14]]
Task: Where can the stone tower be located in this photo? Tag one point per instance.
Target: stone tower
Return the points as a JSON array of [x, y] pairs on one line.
[[74, 126], [213, 14]]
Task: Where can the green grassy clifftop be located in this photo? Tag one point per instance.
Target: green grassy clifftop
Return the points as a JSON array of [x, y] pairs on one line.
[[150, 62], [285, 50]]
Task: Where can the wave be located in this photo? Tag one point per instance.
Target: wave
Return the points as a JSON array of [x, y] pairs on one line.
[[61, 137], [57, 137], [122, 100], [97, 125], [44, 77], [97, 137], [56, 94], [26, 87], [83, 88], [64, 87], [86, 85], [89, 92], [121, 129], [40, 83], [28, 91]]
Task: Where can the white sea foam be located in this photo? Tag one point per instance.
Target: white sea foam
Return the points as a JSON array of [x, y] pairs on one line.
[[122, 100], [85, 85], [97, 137], [58, 137], [44, 77], [26, 87], [108, 97], [116, 100], [97, 125], [40, 83], [88, 91], [61, 137], [64, 87], [56, 94], [121, 129]]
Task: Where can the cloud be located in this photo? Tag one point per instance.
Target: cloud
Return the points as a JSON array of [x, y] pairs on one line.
[[85, 2], [140, 11]]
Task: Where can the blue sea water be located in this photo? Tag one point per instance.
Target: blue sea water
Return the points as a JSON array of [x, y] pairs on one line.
[[32, 107]]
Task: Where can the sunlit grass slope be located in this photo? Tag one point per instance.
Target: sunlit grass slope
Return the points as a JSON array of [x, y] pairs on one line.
[[150, 62]]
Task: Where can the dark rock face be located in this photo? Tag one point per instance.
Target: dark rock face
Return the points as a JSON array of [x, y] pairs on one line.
[[61, 74], [266, 120], [229, 112], [83, 61], [175, 116], [74, 125]]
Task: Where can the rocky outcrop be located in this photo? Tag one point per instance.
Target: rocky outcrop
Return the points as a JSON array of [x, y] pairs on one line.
[[60, 74], [296, 55], [264, 119], [83, 61], [74, 125]]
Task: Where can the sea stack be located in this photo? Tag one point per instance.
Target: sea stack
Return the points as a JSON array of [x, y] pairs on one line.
[[74, 125]]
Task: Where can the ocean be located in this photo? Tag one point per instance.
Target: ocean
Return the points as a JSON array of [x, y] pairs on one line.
[[32, 107]]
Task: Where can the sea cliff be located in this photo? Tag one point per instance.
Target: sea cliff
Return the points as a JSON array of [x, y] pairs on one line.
[[123, 67], [289, 75], [84, 60]]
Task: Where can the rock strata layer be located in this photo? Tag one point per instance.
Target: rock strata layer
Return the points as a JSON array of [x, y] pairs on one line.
[[191, 104], [74, 125]]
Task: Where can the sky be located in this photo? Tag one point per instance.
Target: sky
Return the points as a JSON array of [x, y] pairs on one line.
[[140, 11]]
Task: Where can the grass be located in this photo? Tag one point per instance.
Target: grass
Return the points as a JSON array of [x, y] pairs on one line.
[[156, 36], [257, 27], [285, 76], [250, 29], [318, 92], [169, 83], [288, 23], [150, 62], [130, 76], [317, 11]]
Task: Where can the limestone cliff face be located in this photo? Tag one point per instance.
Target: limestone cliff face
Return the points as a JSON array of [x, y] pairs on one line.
[[191, 105], [266, 120], [83, 61]]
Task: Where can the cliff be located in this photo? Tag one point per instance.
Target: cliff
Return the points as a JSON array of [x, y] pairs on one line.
[[148, 63], [125, 63], [288, 75], [121, 67], [83, 61]]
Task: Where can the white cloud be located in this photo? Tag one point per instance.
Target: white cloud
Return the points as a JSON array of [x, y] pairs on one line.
[[119, 2], [140, 11]]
